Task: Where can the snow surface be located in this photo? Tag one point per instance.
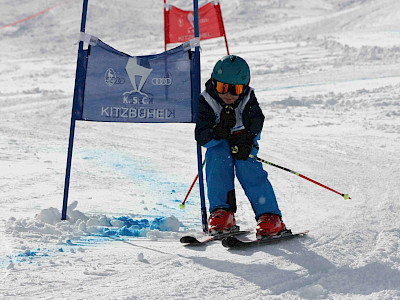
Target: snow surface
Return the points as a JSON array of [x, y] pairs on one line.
[[326, 73]]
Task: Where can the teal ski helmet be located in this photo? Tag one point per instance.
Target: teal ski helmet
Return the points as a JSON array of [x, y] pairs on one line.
[[231, 69]]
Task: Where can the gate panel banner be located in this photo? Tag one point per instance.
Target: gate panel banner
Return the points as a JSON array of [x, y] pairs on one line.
[[179, 23], [138, 89]]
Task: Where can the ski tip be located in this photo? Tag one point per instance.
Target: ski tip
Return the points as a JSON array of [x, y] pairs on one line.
[[189, 240]]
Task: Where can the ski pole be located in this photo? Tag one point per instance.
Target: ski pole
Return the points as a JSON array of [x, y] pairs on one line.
[[345, 196], [183, 205]]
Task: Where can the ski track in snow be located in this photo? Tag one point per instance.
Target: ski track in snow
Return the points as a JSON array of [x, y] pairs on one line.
[[326, 76]]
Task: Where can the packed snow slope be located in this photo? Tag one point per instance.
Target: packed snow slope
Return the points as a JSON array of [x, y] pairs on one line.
[[326, 73]]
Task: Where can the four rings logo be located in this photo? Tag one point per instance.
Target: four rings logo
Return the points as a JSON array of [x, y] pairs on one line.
[[111, 78], [161, 81]]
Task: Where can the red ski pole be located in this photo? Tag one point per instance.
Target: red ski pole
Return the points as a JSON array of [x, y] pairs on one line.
[[182, 205], [345, 196]]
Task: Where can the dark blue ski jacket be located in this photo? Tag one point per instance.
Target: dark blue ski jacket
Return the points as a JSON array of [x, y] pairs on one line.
[[252, 116]]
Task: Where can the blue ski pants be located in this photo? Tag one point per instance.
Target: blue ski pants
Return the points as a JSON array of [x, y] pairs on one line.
[[220, 173]]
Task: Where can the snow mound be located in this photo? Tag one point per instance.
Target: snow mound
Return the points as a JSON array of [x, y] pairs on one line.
[[47, 226]]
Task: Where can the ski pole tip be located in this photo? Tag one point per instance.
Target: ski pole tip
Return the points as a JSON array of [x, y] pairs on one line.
[[182, 206], [346, 196]]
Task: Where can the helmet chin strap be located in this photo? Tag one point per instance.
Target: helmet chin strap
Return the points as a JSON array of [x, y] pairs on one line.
[[236, 103]]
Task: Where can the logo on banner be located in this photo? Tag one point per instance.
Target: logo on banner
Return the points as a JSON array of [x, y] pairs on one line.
[[190, 18], [136, 96], [162, 80], [111, 78], [140, 100]]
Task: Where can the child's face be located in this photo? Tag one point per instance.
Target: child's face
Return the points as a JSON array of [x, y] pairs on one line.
[[228, 98]]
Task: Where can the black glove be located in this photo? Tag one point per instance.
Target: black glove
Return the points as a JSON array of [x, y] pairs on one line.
[[242, 145], [227, 121]]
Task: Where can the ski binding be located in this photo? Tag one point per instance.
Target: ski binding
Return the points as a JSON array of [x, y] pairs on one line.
[[192, 241]]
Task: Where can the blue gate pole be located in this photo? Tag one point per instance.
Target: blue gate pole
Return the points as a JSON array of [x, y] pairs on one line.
[[196, 92], [79, 72]]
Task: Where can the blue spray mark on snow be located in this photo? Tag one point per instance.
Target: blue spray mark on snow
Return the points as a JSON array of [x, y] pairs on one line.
[[164, 195], [25, 256], [140, 228]]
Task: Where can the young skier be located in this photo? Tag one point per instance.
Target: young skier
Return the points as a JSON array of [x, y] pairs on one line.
[[229, 125]]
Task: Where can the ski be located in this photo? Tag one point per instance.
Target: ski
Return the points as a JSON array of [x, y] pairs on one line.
[[233, 242], [192, 241]]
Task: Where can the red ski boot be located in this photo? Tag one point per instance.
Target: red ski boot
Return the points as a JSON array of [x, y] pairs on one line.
[[269, 224], [220, 221]]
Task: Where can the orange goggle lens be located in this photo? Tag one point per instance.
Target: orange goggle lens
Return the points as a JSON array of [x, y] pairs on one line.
[[223, 88]]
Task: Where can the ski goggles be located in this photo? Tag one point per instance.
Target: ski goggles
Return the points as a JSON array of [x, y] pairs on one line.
[[234, 89]]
